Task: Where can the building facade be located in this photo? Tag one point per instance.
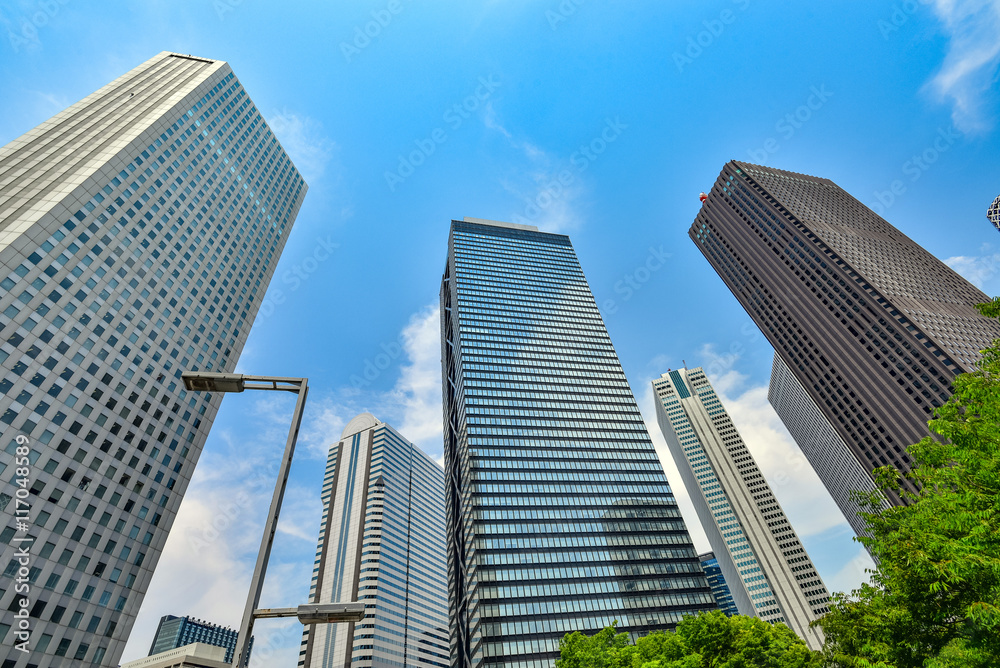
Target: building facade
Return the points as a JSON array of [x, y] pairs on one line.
[[139, 229], [381, 542], [768, 571], [195, 655], [717, 581], [993, 213], [175, 632], [834, 462], [559, 515], [872, 326]]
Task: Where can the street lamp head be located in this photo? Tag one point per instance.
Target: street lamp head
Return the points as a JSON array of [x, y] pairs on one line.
[[212, 382], [326, 613]]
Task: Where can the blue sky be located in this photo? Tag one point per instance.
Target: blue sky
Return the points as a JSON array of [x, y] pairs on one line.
[[456, 109]]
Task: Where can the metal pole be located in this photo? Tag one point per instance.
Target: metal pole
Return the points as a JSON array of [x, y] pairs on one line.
[[257, 583]]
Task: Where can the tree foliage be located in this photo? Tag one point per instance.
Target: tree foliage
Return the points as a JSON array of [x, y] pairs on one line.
[[710, 640], [934, 598]]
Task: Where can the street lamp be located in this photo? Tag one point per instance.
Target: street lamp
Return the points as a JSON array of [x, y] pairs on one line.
[[317, 613], [322, 613]]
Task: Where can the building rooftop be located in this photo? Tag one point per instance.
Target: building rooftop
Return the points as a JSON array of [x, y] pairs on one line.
[[497, 223]]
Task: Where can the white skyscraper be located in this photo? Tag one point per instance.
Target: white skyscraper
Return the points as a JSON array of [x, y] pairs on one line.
[[381, 542], [768, 571], [139, 229]]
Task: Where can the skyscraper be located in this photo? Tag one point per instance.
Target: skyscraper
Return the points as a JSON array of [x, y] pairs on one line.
[[140, 229], [993, 213], [768, 571], [381, 542], [717, 581], [871, 325], [559, 516], [837, 467], [174, 632]]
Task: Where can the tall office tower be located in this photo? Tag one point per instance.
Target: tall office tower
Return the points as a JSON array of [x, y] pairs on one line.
[[381, 542], [871, 325], [717, 581], [139, 229], [559, 514], [833, 461], [993, 213], [768, 571], [175, 632]]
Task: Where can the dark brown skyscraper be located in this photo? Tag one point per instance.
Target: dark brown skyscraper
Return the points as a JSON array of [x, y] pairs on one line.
[[870, 324]]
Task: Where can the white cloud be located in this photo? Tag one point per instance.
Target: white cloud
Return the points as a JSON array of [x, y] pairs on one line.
[[853, 574], [977, 269], [305, 142], [418, 390], [544, 200], [968, 75], [324, 422]]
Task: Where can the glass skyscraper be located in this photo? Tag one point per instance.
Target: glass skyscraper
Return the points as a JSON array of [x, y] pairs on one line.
[[139, 229], [871, 325], [559, 515], [381, 542], [765, 565], [717, 581], [174, 632]]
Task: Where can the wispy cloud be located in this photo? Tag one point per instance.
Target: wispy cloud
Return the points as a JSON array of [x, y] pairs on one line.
[[968, 76], [977, 269], [543, 199], [305, 142]]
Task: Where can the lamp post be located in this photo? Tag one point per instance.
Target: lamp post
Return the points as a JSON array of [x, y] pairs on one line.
[[307, 614]]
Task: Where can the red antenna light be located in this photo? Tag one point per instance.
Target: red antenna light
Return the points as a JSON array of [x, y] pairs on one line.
[[702, 197]]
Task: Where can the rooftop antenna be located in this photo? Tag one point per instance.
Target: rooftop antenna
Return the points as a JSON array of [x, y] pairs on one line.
[[684, 363]]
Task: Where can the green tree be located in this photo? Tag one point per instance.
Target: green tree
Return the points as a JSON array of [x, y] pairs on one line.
[[934, 598], [710, 640]]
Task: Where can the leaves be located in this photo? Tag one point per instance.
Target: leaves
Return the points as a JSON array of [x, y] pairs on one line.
[[934, 598], [710, 640]]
